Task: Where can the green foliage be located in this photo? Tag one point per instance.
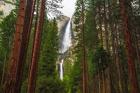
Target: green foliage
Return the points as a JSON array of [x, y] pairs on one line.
[[1, 13], [101, 59], [46, 85], [49, 85], [76, 77], [24, 86], [91, 34], [49, 51], [47, 80], [76, 72], [7, 28], [73, 80]]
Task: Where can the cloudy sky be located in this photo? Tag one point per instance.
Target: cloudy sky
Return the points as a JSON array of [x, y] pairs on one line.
[[69, 7]]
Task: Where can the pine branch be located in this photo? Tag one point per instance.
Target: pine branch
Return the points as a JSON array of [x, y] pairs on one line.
[[10, 2]]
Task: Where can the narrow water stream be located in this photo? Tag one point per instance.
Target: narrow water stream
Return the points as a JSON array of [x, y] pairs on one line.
[[61, 69], [66, 43]]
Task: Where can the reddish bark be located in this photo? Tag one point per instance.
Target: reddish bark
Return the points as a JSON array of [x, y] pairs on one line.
[[36, 49], [17, 59], [129, 48], [10, 83], [25, 40]]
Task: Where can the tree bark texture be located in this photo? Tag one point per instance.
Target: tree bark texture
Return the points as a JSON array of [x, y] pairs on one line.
[[36, 49], [129, 48], [11, 77], [84, 62]]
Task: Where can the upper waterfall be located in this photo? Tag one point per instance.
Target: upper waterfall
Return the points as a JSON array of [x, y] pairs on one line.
[[66, 41]]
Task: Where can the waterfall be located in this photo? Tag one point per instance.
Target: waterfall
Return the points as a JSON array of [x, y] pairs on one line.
[[61, 69], [66, 43]]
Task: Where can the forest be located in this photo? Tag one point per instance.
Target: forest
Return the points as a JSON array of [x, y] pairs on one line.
[[102, 55]]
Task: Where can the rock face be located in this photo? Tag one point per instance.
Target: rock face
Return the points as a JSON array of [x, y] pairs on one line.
[[62, 22]]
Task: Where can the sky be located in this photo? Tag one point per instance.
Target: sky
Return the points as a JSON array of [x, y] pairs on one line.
[[68, 7]]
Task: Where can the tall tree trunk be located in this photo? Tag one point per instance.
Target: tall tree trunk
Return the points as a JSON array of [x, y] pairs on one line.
[[106, 42], [108, 80], [36, 49], [84, 62], [20, 44], [129, 48], [11, 77], [25, 41], [111, 28], [118, 64], [99, 81], [100, 24], [106, 27], [103, 81]]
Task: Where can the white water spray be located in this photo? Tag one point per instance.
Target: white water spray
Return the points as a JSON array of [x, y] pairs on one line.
[[66, 43], [61, 69]]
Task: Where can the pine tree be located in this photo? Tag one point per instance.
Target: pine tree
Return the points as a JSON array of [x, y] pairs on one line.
[[7, 30]]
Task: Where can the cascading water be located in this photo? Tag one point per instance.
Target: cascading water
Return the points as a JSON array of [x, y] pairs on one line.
[[61, 69], [66, 43]]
